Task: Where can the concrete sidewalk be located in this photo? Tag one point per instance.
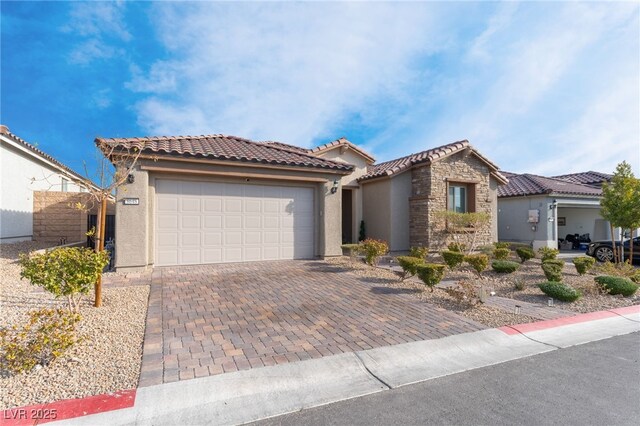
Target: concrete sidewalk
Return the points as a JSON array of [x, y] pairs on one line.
[[260, 393]]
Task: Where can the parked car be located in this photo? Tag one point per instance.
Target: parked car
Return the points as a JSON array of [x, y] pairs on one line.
[[602, 250]]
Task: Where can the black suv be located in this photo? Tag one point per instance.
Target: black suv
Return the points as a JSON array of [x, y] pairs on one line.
[[602, 250]]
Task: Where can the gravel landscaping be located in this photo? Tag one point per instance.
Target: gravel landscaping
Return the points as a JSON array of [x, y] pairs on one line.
[[107, 360], [489, 316]]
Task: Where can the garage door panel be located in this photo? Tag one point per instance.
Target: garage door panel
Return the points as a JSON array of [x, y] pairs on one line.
[[190, 222], [213, 205], [233, 205], [212, 239], [207, 222]]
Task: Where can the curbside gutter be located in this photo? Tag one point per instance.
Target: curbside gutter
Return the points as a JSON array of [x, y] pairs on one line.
[[250, 395]]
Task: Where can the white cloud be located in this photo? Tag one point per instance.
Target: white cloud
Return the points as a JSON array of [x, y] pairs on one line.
[[285, 72], [97, 25]]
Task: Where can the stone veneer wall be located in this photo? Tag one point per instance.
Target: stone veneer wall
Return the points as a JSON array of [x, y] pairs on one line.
[[429, 195], [56, 217]]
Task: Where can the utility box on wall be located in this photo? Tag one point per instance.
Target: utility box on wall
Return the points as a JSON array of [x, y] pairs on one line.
[[534, 216]]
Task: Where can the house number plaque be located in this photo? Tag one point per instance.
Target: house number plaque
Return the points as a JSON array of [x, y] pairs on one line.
[[131, 201]]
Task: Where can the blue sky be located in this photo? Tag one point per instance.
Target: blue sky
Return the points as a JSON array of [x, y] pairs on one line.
[[545, 88]]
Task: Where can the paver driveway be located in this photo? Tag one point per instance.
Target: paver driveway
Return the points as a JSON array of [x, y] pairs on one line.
[[206, 320]]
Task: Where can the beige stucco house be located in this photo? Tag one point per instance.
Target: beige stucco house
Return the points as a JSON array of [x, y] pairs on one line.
[[216, 198]]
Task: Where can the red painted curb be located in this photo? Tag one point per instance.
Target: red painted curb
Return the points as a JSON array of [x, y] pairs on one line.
[[68, 408], [576, 319]]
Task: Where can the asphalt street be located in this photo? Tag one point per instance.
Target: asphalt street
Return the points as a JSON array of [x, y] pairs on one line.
[[596, 383]]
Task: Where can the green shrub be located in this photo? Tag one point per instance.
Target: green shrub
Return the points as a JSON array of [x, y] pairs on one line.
[[419, 252], [501, 253], [352, 249], [504, 266], [373, 249], [560, 291], [479, 262], [519, 284], [431, 274], [362, 234], [452, 258], [548, 253], [583, 264], [619, 270], [69, 272], [502, 245], [409, 265], [525, 253], [456, 246], [48, 334], [617, 285], [552, 269]]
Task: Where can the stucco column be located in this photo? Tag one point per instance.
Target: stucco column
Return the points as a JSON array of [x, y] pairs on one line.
[[132, 223], [330, 219]]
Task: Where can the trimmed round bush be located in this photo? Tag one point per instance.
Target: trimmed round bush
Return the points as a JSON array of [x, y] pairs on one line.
[[525, 253], [452, 258], [431, 274], [409, 265], [501, 245], [456, 246], [504, 266], [479, 262], [373, 249], [583, 264], [560, 291], [419, 252], [552, 269], [501, 253], [548, 253], [617, 285]]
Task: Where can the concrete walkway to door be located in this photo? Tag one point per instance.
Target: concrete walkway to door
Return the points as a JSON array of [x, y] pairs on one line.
[[212, 319]]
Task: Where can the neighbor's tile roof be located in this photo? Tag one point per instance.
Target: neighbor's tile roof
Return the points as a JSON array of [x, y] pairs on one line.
[[396, 166], [587, 178], [5, 131], [224, 147], [527, 184]]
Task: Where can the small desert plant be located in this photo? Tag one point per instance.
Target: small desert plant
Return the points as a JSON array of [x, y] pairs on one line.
[[373, 249], [619, 270], [560, 291], [352, 249], [501, 253], [617, 285], [519, 284], [409, 265], [464, 292], [45, 337], [431, 274], [583, 264], [552, 269], [504, 266], [479, 262], [525, 253], [452, 258], [419, 252], [456, 246], [69, 272], [502, 245], [548, 253]]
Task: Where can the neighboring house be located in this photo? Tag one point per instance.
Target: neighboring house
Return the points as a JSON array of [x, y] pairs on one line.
[[31, 177], [542, 210], [216, 198]]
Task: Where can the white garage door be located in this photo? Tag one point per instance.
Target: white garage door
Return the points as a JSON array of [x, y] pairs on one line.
[[207, 222]]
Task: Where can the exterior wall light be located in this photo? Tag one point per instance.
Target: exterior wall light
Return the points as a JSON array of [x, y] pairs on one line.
[[131, 178], [334, 188]]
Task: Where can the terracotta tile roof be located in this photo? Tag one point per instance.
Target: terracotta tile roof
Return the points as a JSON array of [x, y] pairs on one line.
[[587, 178], [527, 184], [398, 165], [342, 142], [224, 147], [287, 146], [4, 130]]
